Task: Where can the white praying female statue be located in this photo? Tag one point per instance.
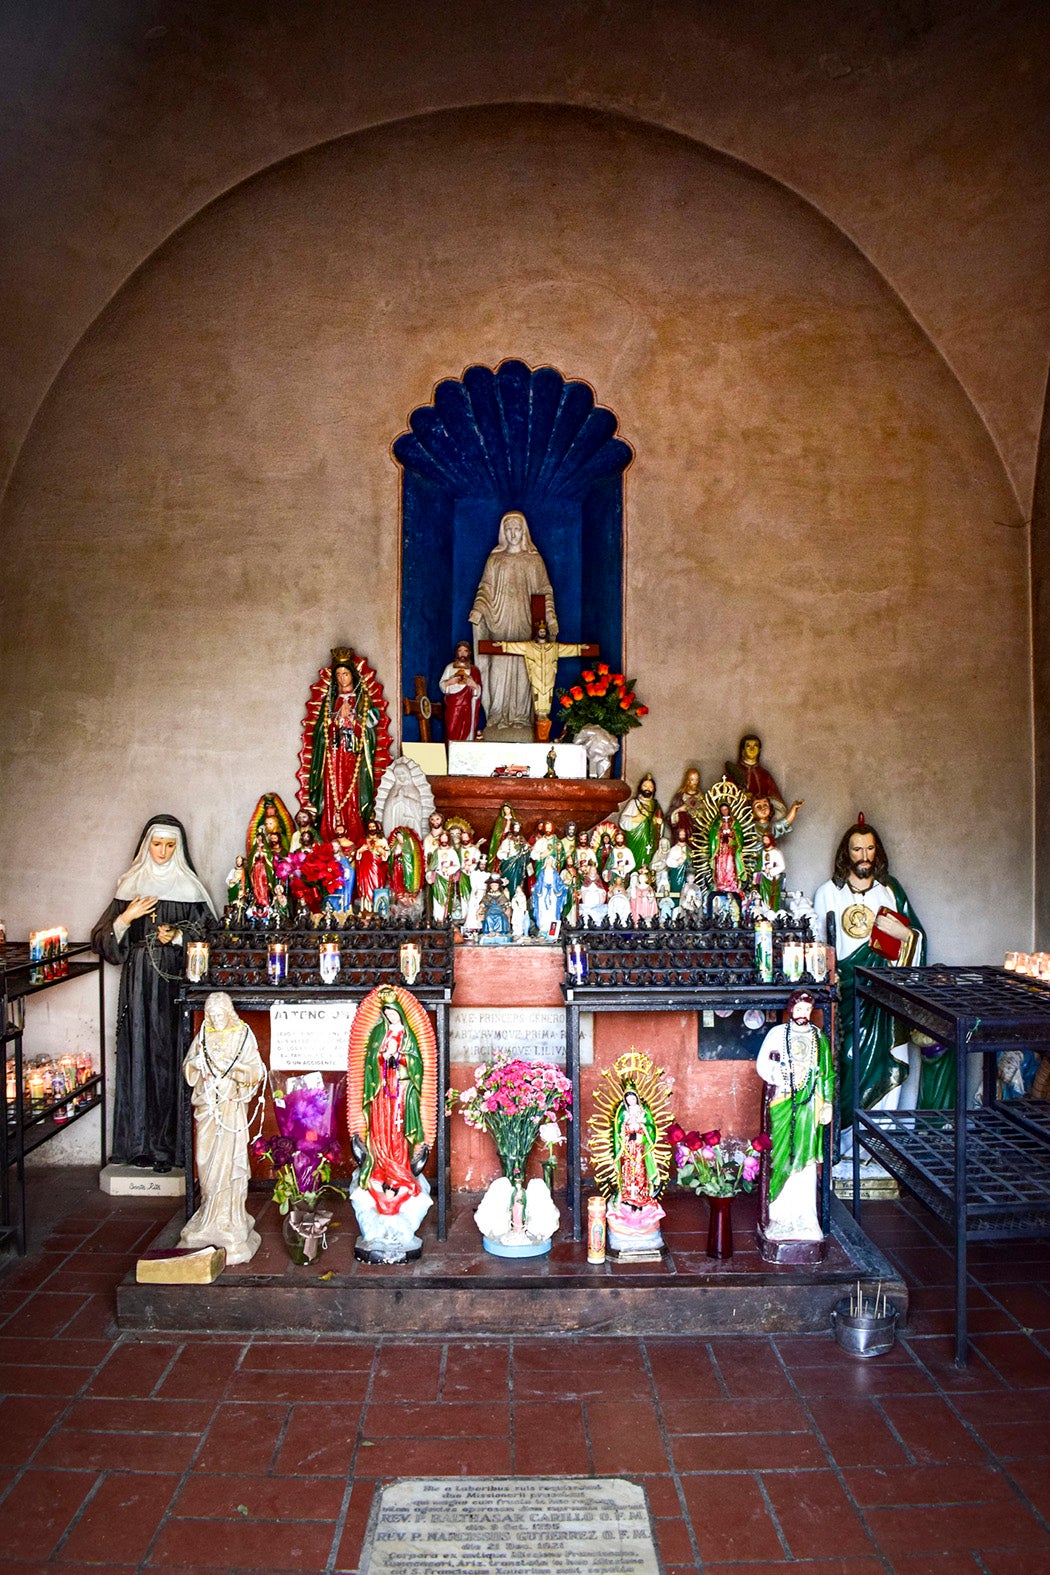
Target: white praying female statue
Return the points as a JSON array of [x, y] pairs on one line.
[[514, 574], [224, 1069]]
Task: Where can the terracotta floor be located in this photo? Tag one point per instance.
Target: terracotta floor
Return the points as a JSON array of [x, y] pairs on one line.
[[204, 1455]]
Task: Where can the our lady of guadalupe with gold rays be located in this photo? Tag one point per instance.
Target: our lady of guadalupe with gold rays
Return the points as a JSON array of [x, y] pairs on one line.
[[629, 1152]]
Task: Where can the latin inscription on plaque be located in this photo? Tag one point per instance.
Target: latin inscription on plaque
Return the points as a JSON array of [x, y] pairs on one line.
[[477, 1033], [512, 1526]]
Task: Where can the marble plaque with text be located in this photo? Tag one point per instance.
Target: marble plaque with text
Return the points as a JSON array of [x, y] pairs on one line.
[[528, 1033], [511, 1526]]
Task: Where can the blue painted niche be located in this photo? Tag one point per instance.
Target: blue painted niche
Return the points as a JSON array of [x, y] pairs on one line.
[[510, 439]]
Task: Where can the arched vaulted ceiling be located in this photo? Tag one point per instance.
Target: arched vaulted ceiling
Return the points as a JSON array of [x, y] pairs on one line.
[[918, 127]]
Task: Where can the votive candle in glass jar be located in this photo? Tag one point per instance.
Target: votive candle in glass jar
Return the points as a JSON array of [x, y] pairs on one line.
[[277, 962], [198, 957], [816, 961], [577, 960], [1010, 962], [794, 957], [409, 961], [329, 960]]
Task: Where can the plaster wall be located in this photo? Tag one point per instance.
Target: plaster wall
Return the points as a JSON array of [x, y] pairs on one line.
[[822, 543]]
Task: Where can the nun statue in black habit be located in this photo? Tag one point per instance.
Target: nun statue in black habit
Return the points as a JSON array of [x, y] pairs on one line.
[[160, 903]]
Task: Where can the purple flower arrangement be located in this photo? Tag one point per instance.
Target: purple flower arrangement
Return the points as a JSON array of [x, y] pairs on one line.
[[304, 1149]]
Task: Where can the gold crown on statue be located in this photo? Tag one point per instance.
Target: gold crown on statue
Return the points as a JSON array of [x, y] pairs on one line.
[[342, 656]]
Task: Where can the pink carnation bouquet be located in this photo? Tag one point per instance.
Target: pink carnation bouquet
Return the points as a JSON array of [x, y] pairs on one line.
[[510, 1101]]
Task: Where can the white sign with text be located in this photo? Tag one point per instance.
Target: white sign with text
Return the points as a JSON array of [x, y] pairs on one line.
[[526, 1033], [310, 1036]]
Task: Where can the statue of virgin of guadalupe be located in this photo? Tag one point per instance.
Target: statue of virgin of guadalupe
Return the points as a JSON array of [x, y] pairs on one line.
[[514, 574]]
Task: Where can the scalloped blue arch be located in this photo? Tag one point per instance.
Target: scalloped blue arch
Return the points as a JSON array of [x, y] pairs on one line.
[[513, 438]]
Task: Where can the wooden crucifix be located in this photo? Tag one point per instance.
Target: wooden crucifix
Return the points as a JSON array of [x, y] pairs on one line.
[[422, 708], [541, 656]]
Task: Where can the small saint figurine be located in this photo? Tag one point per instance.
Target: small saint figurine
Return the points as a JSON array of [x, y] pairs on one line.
[[495, 913], [685, 803], [392, 1119], [795, 1061], [372, 861], [641, 820], [512, 857], [752, 778], [642, 894], [629, 1152], [541, 656], [725, 849], [224, 1069], [548, 898], [460, 684]]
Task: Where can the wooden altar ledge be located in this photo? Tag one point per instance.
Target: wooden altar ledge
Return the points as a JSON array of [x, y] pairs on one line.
[[478, 799]]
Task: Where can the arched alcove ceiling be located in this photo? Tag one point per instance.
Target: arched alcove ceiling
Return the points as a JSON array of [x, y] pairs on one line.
[[628, 122]]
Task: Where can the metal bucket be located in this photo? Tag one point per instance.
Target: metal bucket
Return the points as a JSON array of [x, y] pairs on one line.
[[863, 1334]]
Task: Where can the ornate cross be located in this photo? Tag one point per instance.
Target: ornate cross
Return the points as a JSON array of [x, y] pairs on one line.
[[422, 708]]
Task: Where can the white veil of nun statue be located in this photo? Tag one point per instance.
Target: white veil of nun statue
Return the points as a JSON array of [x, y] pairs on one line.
[[502, 610], [224, 1070]]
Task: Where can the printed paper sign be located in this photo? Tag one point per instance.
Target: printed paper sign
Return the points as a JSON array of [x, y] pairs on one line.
[[310, 1037]]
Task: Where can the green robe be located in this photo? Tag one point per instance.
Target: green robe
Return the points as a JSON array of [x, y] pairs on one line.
[[880, 1071], [795, 1129]]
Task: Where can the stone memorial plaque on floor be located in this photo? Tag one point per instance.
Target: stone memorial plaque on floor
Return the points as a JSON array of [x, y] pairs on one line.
[[511, 1526]]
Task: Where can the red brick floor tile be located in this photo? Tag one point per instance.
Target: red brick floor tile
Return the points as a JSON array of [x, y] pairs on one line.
[[320, 1440], [582, 1383], [70, 1450], [861, 1380], [751, 1369], [24, 1420], [734, 1416], [46, 1313], [569, 1353], [857, 1434], [354, 1527], [51, 1353], [95, 1319], [684, 1370], [929, 1430], [1033, 1479], [936, 1353], [324, 1356], [292, 1386], [476, 1372], [38, 1509], [941, 1564], [401, 1370], [22, 1380], [957, 1484], [140, 1416], [201, 1372], [1010, 1424], [1005, 1562], [625, 1437], [205, 1496], [550, 1440], [242, 1438], [730, 1519], [674, 1540], [244, 1544], [958, 1528], [1018, 1360], [1029, 1304], [434, 1457], [459, 1420], [815, 1515], [747, 1452], [865, 1564], [31, 1273], [133, 1371], [121, 1519], [661, 1494]]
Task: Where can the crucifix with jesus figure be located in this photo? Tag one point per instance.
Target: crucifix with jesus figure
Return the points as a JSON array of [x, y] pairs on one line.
[[541, 655]]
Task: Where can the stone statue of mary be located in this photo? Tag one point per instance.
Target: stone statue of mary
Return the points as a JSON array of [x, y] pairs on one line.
[[502, 610]]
